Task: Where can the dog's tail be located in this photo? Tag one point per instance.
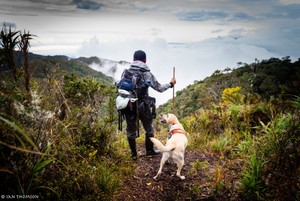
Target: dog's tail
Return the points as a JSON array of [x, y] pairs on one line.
[[160, 146]]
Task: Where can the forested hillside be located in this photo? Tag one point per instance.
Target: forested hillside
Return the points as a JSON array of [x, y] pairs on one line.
[[59, 137], [268, 79], [251, 114]]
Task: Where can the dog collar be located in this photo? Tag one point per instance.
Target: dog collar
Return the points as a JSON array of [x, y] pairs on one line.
[[177, 131]]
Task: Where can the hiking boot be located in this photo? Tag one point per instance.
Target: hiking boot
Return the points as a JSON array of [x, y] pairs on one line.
[[149, 148], [152, 153], [132, 145]]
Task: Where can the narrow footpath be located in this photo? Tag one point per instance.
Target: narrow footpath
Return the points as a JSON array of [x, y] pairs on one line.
[[208, 177]]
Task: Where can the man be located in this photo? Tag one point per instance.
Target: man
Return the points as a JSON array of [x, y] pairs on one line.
[[139, 110]]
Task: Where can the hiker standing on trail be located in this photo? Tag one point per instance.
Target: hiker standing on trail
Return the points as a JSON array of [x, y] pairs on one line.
[[144, 107]]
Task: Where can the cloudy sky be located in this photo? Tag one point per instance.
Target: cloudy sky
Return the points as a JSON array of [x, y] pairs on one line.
[[195, 36]]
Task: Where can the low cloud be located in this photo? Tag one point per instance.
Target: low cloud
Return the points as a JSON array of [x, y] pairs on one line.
[[193, 61]]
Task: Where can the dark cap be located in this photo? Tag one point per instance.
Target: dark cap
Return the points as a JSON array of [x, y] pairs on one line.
[[139, 55]]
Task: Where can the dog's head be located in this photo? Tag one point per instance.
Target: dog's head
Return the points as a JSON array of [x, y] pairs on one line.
[[168, 119]]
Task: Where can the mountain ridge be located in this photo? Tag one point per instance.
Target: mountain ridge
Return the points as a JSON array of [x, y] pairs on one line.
[[40, 66]]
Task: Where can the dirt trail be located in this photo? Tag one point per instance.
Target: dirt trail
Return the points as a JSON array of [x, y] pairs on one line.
[[207, 178]]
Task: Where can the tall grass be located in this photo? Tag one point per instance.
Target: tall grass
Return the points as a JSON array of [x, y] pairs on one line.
[[252, 183], [108, 182], [277, 148]]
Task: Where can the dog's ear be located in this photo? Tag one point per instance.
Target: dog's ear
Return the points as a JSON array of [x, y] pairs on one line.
[[172, 118]]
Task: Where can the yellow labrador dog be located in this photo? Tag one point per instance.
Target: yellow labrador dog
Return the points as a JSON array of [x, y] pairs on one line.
[[175, 146]]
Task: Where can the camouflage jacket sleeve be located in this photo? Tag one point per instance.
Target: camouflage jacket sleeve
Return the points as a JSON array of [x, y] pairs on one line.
[[155, 84]]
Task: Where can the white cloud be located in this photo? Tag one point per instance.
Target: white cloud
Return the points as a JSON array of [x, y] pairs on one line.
[[193, 61]]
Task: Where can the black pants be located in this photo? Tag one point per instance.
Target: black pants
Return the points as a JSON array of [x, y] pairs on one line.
[[131, 115]]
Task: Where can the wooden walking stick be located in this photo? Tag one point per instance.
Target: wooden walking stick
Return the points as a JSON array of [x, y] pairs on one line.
[[173, 106]]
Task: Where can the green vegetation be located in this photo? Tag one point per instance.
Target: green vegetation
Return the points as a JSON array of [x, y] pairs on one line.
[[57, 142], [268, 79], [59, 139], [250, 114], [263, 134]]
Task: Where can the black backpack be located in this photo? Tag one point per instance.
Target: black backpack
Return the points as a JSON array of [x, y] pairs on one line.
[[134, 82]]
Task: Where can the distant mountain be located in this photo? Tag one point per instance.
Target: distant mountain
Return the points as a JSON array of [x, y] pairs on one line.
[[41, 66], [273, 78], [108, 67]]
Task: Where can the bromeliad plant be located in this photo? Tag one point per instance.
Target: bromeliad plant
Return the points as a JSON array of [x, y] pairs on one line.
[[252, 182], [10, 42]]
